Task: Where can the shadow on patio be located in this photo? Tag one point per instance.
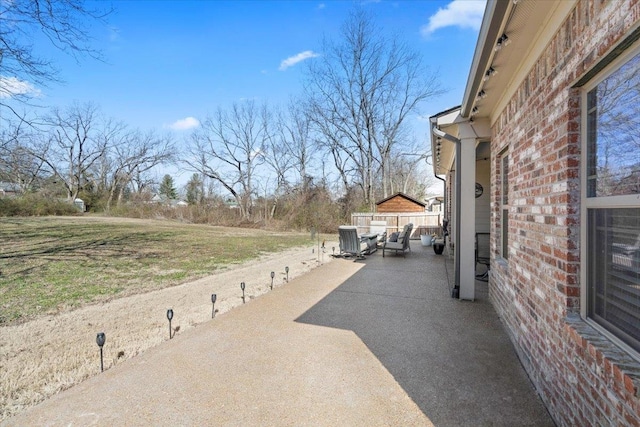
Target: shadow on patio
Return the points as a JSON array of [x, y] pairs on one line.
[[453, 358], [375, 343]]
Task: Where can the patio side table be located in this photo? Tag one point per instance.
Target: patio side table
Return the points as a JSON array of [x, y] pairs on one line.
[[371, 240]]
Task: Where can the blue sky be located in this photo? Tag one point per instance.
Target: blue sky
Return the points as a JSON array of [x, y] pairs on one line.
[[169, 62]]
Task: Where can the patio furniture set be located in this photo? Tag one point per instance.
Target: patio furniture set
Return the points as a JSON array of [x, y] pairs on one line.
[[352, 244]]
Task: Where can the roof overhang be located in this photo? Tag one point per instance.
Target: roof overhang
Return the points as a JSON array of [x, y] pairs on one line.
[[443, 151], [512, 37], [528, 27]]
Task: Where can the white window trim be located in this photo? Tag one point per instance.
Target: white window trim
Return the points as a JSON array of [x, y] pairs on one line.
[[625, 201]]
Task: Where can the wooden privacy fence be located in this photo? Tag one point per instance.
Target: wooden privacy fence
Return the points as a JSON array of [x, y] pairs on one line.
[[423, 223]]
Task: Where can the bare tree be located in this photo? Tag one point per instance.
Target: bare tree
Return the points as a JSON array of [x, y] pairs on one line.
[[17, 165], [142, 182], [229, 147], [295, 136], [289, 150], [289, 153], [408, 177], [64, 23], [360, 92], [134, 155], [278, 153], [74, 142]]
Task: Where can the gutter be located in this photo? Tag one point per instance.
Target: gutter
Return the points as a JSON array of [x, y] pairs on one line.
[[490, 30], [437, 132]]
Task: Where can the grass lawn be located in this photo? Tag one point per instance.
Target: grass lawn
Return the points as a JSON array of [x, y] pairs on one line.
[[51, 264]]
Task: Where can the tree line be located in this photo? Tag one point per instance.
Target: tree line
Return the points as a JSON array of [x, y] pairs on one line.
[[339, 146]]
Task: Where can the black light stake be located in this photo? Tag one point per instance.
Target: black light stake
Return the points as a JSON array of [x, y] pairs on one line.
[[242, 287], [273, 274], [170, 316], [333, 250], [286, 269], [214, 297], [100, 339]]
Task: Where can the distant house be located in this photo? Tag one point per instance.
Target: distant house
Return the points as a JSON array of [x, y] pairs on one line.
[[400, 203], [9, 189], [543, 154], [434, 203], [231, 203], [163, 200]]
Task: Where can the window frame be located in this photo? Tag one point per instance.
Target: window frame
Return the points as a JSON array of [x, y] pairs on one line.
[[598, 202]]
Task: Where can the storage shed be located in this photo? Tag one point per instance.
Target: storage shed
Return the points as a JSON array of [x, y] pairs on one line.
[[399, 203]]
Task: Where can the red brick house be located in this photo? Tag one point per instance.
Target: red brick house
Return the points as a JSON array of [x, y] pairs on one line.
[[400, 203], [550, 121]]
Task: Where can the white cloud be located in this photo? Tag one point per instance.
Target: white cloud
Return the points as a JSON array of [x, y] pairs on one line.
[[458, 13], [256, 153], [293, 60], [185, 124], [12, 86]]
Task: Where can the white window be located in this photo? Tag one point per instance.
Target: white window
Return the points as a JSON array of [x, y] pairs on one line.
[[611, 199], [504, 205]]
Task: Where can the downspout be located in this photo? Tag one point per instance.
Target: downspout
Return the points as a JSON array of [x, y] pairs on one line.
[[444, 191], [456, 288]]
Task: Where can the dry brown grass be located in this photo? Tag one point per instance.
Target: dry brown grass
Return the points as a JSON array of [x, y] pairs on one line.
[[52, 352]]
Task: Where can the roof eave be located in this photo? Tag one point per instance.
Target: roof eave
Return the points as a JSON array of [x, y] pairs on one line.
[[492, 22], [447, 121]]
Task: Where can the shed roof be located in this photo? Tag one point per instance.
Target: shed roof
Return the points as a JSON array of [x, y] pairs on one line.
[[400, 194]]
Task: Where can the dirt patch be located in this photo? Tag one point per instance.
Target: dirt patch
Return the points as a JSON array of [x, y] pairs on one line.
[[44, 356]]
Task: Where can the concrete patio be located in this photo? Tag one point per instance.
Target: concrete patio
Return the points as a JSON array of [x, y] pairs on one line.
[[373, 342]]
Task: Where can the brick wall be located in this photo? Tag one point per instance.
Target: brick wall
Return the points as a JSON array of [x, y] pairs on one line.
[[582, 378]]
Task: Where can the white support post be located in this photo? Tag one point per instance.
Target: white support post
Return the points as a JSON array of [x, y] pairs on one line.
[[468, 219]]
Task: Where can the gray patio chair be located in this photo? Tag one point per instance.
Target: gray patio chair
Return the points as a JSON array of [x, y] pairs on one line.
[[350, 242], [402, 244], [483, 254]]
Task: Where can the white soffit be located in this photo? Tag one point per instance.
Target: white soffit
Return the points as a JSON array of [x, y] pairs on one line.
[[446, 122], [533, 26], [529, 25]]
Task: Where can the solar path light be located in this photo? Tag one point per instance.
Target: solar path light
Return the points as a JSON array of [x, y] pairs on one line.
[[170, 316], [214, 297], [273, 274], [100, 339], [242, 286], [286, 269]]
